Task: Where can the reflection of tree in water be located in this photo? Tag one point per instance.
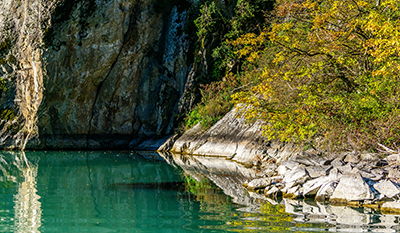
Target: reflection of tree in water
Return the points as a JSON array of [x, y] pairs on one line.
[[17, 169]]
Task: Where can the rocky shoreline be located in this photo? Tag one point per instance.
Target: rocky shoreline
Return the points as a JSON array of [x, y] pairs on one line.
[[354, 179], [360, 180]]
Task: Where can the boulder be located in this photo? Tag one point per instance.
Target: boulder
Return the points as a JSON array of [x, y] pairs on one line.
[[352, 158], [334, 174], [352, 188], [346, 169], [390, 159], [258, 184], [367, 175], [325, 191], [387, 188], [296, 176], [311, 187], [337, 162], [394, 172], [309, 159], [286, 166], [317, 171]]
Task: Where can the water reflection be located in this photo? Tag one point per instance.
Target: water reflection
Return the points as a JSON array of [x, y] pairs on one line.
[[19, 171], [139, 192], [306, 215]]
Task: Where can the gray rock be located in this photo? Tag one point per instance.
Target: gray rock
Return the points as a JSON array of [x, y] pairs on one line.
[[346, 169], [391, 158], [352, 188], [97, 77], [387, 188], [337, 162], [370, 157], [352, 158], [326, 191], [296, 176], [273, 191], [233, 138], [364, 174], [286, 166], [394, 172], [258, 184], [308, 159], [317, 171], [311, 187], [334, 174]]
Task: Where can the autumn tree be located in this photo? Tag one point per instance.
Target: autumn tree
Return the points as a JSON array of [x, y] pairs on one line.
[[330, 73]]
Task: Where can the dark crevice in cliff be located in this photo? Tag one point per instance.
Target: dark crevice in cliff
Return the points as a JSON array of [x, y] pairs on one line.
[[99, 87]]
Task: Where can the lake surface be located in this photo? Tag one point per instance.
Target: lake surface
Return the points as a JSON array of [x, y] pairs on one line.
[[102, 191]]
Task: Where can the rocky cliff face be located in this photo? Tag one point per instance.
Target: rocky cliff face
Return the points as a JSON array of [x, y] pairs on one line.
[[93, 74]]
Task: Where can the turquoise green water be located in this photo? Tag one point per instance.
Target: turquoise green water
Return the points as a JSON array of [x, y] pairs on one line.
[[124, 192]]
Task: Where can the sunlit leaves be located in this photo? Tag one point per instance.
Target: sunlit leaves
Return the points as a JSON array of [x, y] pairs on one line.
[[334, 72]]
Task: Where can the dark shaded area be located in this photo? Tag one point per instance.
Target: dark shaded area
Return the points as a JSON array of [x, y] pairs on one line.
[[63, 13], [163, 185]]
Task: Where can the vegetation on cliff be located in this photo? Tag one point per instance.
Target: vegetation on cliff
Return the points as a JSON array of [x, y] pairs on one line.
[[325, 71], [216, 25]]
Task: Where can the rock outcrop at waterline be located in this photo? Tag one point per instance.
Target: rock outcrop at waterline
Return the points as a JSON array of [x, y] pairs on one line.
[[92, 74], [233, 138], [358, 179]]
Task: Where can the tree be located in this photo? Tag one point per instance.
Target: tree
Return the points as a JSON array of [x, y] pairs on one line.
[[330, 72]]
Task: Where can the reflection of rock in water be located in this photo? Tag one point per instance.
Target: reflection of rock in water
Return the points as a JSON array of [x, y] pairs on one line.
[[27, 206], [229, 176], [226, 174], [155, 185]]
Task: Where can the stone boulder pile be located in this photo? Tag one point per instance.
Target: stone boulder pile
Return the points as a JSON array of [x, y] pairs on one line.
[[348, 179]]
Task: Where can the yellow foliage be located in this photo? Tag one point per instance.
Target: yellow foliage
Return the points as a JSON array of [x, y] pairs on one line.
[[334, 72]]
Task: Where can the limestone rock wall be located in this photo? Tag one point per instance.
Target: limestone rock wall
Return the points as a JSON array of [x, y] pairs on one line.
[[94, 74], [21, 67], [233, 138]]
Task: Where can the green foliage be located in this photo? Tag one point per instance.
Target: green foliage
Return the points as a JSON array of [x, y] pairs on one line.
[[247, 17], [216, 25], [214, 104], [216, 98], [333, 73], [7, 114], [3, 86]]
